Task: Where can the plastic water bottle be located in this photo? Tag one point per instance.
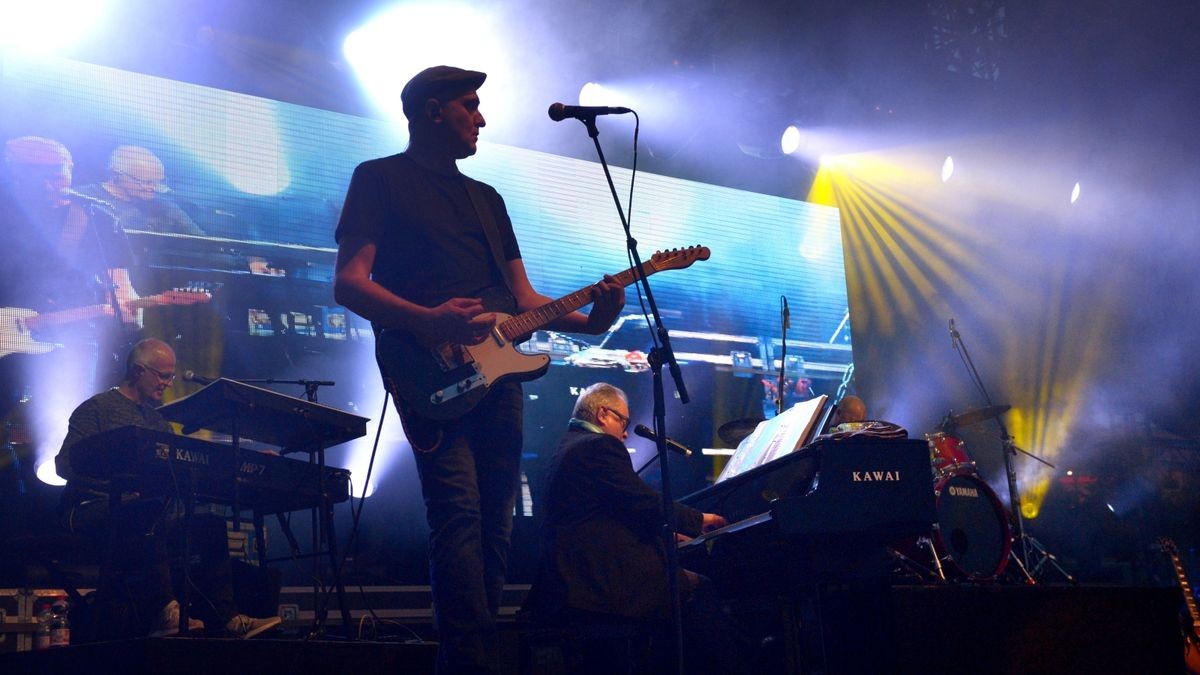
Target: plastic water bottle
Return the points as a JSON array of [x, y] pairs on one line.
[[60, 625], [41, 637]]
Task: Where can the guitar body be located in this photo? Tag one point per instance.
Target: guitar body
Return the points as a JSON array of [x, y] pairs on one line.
[[1191, 627], [15, 336], [446, 382], [1191, 654]]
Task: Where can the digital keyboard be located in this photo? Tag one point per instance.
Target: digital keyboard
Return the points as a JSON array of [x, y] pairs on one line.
[[160, 464]]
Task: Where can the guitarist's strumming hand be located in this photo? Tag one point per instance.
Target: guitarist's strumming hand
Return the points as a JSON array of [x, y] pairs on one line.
[[460, 321], [608, 298]]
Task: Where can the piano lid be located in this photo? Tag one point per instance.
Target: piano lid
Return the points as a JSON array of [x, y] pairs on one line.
[[264, 415]]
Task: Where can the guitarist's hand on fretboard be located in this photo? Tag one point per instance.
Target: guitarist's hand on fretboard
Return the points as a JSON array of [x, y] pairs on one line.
[[608, 298]]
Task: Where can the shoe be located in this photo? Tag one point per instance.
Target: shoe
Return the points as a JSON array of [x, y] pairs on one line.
[[168, 621], [246, 627]]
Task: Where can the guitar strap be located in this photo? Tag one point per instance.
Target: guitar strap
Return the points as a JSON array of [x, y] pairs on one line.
[[486, 217]]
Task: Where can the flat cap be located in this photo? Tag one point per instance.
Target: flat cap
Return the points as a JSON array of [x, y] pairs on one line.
[[438, 82]]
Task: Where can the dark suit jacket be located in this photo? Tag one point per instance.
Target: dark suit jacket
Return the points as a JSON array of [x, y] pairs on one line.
[[601, 542]]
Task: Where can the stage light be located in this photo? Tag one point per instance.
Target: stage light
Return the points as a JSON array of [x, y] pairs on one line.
[[397, 43], [1075, 193], [594, 93], [48, 474], [789, 142], [50, 25], [947, 168]]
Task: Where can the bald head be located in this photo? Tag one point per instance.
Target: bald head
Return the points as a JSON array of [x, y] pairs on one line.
[[36, 151], [137, 173], [850, 409], [149, 370], [40, 170]]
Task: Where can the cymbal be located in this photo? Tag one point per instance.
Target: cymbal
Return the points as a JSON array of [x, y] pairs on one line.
[[977, 415], [734, 432]]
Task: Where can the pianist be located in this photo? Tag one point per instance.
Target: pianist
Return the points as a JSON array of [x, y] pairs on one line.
[[602, 556], [147, 529]]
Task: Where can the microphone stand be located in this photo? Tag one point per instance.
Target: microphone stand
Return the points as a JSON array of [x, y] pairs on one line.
[[785, 321], [661, 353], [1010, 449]]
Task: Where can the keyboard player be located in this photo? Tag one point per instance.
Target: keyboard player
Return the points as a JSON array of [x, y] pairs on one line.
[[602, 553], [147, 529]]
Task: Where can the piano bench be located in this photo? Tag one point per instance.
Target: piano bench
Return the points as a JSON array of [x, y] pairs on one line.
[[595, 646]]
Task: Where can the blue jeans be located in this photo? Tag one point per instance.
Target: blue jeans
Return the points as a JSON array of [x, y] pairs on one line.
[[469, 483]]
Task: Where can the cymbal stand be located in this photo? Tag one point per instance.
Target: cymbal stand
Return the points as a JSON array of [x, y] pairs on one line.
[[1045, 556], [1010, 451]]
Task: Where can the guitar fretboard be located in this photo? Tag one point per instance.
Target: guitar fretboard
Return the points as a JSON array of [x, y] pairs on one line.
[[1188, 598], [525, 323]]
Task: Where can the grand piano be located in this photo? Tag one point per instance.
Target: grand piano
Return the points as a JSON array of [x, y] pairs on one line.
[[823, 512]]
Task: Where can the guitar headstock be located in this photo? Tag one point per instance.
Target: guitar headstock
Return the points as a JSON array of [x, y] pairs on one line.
[[1167, 545], [678, 258], [194, 293]]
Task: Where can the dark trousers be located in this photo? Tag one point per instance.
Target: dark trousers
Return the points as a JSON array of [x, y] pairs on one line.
[[469, 483], [146, 538]]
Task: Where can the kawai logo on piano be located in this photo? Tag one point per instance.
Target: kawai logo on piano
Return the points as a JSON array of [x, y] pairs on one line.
[[874, 476], [164, 452], [956, 491]]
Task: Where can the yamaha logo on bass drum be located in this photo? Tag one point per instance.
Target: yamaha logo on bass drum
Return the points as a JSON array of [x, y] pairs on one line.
[[956, 491]]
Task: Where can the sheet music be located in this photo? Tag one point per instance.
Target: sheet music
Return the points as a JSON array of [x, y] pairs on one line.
[[775, 437]]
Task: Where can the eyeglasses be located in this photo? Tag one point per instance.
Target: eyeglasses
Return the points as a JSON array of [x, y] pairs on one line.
[[165, 378], [623, 418], [156, 184]]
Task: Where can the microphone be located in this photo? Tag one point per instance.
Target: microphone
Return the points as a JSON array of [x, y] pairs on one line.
[[787, 313], [81, 198], [191, 376], [559, 112], [953, 332], [645, 432]]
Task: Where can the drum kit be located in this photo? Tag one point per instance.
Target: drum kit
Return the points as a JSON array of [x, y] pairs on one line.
[[971, 539]]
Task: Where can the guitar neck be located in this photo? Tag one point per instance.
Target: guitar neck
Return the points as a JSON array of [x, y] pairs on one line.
[[1188, 598], [90, 312], [535, 319]]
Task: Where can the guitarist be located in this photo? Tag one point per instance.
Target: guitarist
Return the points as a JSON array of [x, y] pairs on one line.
[[425, 250], [59, 252]]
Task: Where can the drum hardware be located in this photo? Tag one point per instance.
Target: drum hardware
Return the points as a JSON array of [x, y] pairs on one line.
[[1010, 448], [948, 455], [733, 433], [975, 416]]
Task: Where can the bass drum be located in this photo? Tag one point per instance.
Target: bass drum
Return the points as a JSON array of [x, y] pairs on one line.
[[971, 536]]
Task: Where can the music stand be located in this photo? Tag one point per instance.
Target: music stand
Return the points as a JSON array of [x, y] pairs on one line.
[[294, 425]]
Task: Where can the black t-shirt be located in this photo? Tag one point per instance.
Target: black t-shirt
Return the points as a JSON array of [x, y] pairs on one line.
[[39, 271], [106, 410], [430, 243]]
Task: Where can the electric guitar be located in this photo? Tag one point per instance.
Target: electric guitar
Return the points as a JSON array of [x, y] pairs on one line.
[[1191, 647], [17, 325], [445, 381]]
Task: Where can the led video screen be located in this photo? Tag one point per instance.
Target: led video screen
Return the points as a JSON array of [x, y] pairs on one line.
[[230, 240]]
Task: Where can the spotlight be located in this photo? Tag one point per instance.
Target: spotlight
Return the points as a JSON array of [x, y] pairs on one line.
[[789, 142], [48, 474], [594, 93], [391, 47], [1075, 193], [947, 168], [48, 26]]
